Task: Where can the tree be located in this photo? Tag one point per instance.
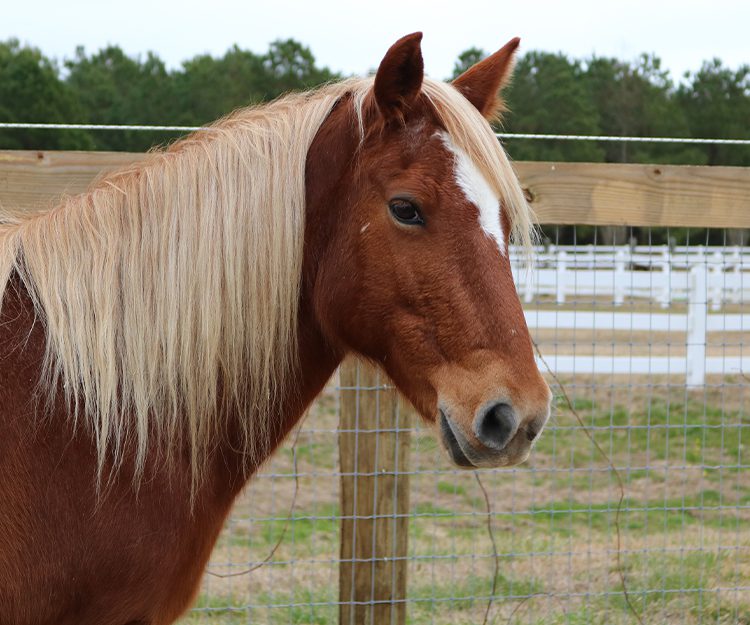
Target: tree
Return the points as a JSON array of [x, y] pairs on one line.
[[291, 66], [548, 95], [716, 103], [638, 100], [209, 87], [31, 91], [116, 89]]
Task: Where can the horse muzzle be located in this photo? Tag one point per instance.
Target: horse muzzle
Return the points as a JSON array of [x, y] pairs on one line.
[[498, 436]]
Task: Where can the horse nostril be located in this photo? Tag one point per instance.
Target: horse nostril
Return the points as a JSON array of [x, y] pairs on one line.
[[496, 426]]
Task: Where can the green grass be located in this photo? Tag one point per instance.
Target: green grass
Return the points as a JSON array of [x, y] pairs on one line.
[[264, 534], [465, 595], [319, 453], [693, 432], [450, 488], [653, 514], [662, 589], [229, 610], [307, 607], [216, 610]]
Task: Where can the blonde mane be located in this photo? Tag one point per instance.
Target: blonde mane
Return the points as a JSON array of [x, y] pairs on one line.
[[172, 288]]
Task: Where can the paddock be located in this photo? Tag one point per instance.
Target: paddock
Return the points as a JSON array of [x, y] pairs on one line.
[[633, 507]]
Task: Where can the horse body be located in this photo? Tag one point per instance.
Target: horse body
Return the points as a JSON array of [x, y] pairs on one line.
[[110, 519], [110, 555]]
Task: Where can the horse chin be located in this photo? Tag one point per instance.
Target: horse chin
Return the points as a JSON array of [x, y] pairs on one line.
[[451, 443], [465, 456]]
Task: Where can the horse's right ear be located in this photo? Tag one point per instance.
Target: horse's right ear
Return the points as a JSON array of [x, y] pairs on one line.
[[481, 83], [399, 77]]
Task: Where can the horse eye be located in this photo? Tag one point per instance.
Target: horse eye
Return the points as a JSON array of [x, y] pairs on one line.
[[405, 212]]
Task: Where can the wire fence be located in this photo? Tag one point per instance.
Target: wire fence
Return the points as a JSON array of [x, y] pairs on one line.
[[500, 135], [550, 543], [633, 508]]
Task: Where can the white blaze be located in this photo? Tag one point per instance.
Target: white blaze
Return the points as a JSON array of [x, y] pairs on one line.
[[478, 191]]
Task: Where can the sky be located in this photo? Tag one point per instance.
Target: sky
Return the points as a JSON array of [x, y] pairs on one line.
[[351, 37]]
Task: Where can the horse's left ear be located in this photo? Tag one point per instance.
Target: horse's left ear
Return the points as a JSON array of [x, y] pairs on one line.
[[481, 83], [399, 77]]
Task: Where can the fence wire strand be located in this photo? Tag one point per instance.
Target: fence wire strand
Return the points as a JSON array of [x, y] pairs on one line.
[[499, 135]]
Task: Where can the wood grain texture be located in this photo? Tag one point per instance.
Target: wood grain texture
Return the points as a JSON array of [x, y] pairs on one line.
[[36, 180], [374, 442], [609, 194], [560, 193]]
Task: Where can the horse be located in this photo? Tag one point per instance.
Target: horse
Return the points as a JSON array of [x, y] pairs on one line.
[[161, 333]]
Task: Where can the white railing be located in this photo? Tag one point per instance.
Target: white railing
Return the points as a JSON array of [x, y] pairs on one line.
[[704, 280], [657, 273]]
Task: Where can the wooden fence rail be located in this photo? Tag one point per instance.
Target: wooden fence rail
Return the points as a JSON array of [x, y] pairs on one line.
[[560, 193]]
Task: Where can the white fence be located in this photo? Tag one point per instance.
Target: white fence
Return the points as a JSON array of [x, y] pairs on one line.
[[700, 277], [621, 272]]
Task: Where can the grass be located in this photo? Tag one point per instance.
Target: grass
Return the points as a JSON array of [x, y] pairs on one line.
[[324, 522], [685, 524], [705, 508], [217, 609]]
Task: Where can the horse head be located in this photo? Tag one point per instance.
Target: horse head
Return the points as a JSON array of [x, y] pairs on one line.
[[418, 275]]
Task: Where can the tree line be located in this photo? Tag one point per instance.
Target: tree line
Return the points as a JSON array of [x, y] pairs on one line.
[[550, 93], [110, 87]]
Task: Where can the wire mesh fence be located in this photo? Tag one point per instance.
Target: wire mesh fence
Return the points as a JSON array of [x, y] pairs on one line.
[[633, 507]]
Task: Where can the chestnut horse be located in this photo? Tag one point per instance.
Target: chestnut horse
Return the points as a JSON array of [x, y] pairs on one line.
[[163, 332]]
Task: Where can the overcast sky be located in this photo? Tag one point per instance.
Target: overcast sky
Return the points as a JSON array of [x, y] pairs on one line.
[[351, 37]]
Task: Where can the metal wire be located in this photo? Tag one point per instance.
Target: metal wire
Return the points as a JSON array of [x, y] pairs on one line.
[[500, 135], [536, 136], [138, 127]]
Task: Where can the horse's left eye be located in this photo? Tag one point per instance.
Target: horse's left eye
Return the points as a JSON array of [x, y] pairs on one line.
[[405, 212]]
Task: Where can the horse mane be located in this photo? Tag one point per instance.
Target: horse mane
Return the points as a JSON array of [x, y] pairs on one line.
[[170, 290]]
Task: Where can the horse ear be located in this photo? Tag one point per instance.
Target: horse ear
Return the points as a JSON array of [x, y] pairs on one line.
[[399, 77], [481, 83]]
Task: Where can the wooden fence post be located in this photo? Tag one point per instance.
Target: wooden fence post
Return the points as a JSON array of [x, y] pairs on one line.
[[374, 443]]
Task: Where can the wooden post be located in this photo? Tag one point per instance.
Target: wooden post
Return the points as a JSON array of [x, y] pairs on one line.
[[374, 443]]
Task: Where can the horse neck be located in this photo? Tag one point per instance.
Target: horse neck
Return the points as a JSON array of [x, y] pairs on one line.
[[317, 363]]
